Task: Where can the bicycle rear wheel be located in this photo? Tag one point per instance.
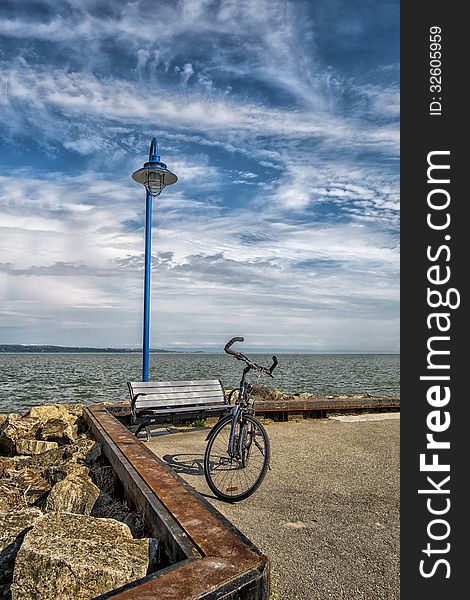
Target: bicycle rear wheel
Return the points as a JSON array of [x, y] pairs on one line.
[[235, 478]]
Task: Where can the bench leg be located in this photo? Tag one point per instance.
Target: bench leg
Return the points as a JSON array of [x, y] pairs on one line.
[[147, 431]]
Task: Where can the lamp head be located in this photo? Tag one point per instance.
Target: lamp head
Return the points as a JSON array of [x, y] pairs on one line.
[[154, 175]]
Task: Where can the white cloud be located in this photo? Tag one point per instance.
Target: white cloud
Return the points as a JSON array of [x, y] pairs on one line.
[[293, 234], [223, 270]]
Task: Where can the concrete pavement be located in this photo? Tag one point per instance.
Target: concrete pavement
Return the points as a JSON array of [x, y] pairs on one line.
[[327, 514]]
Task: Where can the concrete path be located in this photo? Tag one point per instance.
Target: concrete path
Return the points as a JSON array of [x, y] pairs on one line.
[[327, 514], [367, 417]]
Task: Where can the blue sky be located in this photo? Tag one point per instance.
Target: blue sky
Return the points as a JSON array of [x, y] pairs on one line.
[[281, 120]]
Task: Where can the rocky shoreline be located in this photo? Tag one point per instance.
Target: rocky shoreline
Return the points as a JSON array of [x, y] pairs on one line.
[[62, 532]]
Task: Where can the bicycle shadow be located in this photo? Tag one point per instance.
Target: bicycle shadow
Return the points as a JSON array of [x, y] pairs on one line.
[[189, 464]]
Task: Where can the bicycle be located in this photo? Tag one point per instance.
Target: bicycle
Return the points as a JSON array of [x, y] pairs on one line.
[[238, 450]]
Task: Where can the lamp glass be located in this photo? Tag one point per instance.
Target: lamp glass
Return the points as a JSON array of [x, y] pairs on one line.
[[155, 182]]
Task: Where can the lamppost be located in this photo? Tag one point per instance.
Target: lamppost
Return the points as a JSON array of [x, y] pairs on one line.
[[155, 176]]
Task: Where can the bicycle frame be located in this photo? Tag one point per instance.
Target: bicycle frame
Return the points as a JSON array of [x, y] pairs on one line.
[[240, 408]]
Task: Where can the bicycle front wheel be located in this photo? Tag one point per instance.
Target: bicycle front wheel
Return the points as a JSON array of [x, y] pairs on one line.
[[233, 478]]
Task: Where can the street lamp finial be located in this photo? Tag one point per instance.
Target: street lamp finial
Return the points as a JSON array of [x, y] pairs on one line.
[[153, 154]]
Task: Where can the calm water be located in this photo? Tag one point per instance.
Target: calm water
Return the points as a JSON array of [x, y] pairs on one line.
[[30, 379]]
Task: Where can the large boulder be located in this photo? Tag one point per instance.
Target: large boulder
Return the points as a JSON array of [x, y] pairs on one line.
[[10, 496], [14, 429], [58, 431], [75, 556], [7, 463], [76, 493], [43, 461], [28, 483], [61, 470], [13, 528], [83, 450], [66, 412]]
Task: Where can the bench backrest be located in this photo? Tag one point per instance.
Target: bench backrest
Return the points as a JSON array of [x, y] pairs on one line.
[[160, 394]]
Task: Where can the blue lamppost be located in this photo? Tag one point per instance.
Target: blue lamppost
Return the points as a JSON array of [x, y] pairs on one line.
[[155, 176]]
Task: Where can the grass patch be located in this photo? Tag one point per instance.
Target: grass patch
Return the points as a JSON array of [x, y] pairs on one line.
[[197, 423]]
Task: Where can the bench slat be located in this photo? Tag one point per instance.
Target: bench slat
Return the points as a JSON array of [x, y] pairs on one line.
[[180, 395], [152, 401], [181, 392], [142, 386]]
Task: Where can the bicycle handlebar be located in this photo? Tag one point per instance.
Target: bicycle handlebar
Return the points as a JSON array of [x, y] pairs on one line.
[[252, 365], [230, 342], [273, 366]]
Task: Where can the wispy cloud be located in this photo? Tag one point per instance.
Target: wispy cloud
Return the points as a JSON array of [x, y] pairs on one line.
[[285, 215]]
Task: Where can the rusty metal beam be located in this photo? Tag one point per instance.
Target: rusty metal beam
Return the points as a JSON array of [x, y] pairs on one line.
[[325, 404], [305, 405], [215, 559]]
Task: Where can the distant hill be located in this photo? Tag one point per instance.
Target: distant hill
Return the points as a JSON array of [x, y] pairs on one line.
[[58, 349]]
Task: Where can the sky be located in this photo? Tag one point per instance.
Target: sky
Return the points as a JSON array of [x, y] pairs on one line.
[[281, 121]]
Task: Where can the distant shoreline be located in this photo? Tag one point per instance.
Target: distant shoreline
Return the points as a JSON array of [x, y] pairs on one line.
[[51, 349], [31, 348]]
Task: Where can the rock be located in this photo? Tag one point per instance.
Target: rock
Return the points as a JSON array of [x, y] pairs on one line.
[[110, 508], [31, 447], [75, 556], [93, 453], [10, 496], [60, 471], [265, 394], [13, 528], [54, 422], [75, 494], [304, 396], [59, 462], [3, 418], [135, 523], [66, 412], [43, 461], [83, 450], [103, 476], [59, 431], [7, 464], [29, 483], [103, 501], [16, 428]]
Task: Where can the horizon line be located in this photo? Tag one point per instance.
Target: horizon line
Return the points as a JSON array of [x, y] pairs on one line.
[[196, 349]]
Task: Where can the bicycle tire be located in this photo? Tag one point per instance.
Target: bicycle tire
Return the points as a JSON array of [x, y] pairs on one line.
[[215, 464]]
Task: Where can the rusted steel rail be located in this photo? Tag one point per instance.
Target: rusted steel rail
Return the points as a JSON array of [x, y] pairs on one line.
[[307, 406], [326, 404], [213, 559]]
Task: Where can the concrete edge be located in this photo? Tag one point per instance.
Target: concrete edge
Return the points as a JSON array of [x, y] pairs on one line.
[[212, 558]]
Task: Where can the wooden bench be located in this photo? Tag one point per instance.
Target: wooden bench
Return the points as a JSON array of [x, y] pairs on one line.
[[170, 401]]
